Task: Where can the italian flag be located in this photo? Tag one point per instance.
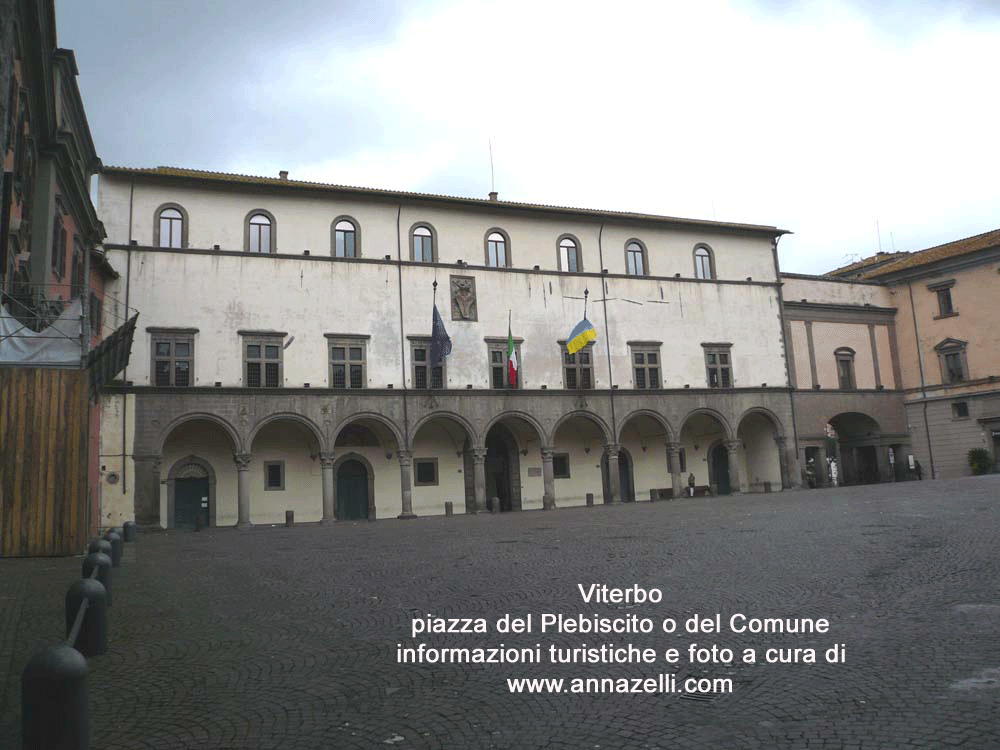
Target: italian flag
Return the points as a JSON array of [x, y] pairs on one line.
[[511, 358]]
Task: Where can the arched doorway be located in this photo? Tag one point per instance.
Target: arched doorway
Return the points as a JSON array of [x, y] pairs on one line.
[[578, 441], [193, 501], [719, 469], [625, 477], [503, 469], [762, 463], [859, 439], [352, 491]]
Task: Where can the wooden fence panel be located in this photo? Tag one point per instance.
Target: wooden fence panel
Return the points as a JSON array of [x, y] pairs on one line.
[[43, 461]]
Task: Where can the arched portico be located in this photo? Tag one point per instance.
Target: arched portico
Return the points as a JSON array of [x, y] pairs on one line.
[[763, 458], [191, 489], [646, 438], [282, 470], [579, 440], [373, 441], [862, 455], [443, 450], [354, 494], [708, 452], [513, 446]]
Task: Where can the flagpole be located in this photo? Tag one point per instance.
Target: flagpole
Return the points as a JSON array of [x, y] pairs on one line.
[[585, 293]]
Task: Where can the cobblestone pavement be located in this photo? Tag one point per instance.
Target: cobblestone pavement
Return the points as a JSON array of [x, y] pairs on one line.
[[287, 638]]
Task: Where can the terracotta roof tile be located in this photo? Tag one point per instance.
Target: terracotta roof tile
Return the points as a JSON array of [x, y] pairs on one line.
[[940, 252]]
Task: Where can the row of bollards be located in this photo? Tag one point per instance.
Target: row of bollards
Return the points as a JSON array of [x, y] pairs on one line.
[[54, 713]]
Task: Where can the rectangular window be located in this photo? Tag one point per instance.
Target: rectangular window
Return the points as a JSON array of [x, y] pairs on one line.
[[578, 369], [944, 302], [682, 460], [718, 365], [425, 472], [499, 371], [425, 376], [274, 475], [76, 275], [960, 409], [560, 465], [646, 366], [173, 359], [262, 362], [845, 373], [58, 246], [347, 363], [954, 367]]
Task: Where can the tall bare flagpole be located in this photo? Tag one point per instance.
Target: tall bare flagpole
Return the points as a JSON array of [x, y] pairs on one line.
[[493, 181]]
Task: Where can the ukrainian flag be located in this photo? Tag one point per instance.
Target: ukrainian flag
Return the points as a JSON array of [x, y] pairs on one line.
[[581, 335]]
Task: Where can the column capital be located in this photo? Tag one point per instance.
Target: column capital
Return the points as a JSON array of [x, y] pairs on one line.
[[242, 461], [326, 459], [732, 445], [547, 452], [780, 440], [479, 455], [613, 448], [405, 457], [673, 448]]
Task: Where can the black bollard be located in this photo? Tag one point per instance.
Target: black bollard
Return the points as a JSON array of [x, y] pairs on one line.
[[129, 531], [103, 564], [449, 508], [115, 539], [495, 507], [289, 518], [92, 638], [54, 700], [99, 545], [590, 499], [111, 530]]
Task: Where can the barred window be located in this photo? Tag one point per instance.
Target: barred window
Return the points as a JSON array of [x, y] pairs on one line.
[[560, 466], [499, 371], [173, 359], [425, 376], [718, 364], [274, 475], [262, 361], [646, 366], [347, 363], [845, 368], [578, 369]]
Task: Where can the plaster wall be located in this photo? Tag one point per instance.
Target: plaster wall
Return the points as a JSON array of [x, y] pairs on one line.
[[828, 337], [303, 221], [117, 436], [835, 292]]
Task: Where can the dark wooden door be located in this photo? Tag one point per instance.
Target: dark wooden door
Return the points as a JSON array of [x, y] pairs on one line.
[[352, 491], [720, 469], [190, 500]]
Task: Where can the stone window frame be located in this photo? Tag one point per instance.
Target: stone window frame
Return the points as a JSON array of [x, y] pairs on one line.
[[424, 342], [76, 280], [644, 349], [273, 240], [846, 354], [416, 472], [157, 219], [711, 261], [945, 302], [94, 313], [577, 250], [577, 366], [348, 341], [556, 459], [953, 348], [719, 348], [333, 236], [434, 242], [173, 336], [506, 247], [643, 256], [957, 409], [499, 344], [268, 487], [263, 339]]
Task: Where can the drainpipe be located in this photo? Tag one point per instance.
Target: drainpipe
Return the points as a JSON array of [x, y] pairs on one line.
[[607, 337], [402, 333], [797, 479], [128, 279], [923, 384]]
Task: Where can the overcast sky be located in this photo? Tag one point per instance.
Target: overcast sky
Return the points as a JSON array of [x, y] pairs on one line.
[[819, 117]]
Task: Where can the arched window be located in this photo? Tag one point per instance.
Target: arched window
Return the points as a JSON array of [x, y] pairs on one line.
[[845, 368], [171, 226], [422, 244], [260, 233], [496, 250], [704, 263], [635, 258], [345, 239], [569, 255]]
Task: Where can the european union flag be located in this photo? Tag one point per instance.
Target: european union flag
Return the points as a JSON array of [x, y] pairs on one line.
[[440, 341]]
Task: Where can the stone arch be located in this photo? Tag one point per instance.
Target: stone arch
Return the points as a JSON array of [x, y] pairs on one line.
[[763, 459], [530, 419], [779, 428], [588, 415], [176, 472], [397, 434], [470, 431], [711, 413], [352, 456], [663, 422], [234, 436], [311, 426]]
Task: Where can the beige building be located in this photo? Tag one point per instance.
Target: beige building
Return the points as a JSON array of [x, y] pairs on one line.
[[949, 346], [282, 357]]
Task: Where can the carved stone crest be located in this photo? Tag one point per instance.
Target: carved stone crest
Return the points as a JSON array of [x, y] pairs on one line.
[[463, 298]]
